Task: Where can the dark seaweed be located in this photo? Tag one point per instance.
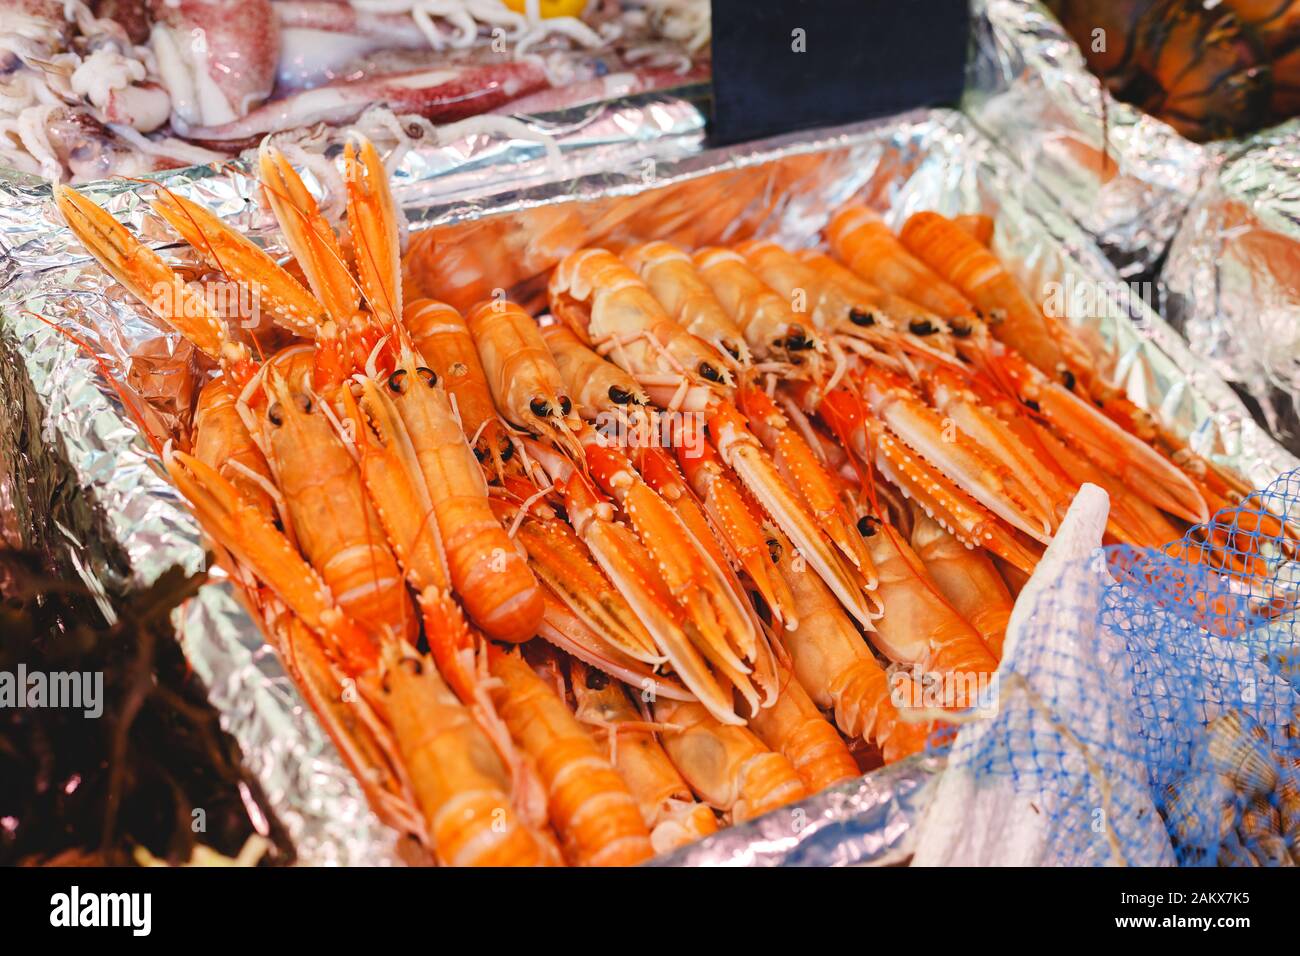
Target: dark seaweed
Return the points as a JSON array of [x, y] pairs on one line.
[[91, 790]]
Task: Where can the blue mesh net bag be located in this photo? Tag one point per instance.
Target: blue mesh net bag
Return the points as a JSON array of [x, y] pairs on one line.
[[1147, 705]]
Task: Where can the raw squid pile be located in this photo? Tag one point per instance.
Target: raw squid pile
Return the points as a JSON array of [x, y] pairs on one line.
[[91, 89], [719, 529]]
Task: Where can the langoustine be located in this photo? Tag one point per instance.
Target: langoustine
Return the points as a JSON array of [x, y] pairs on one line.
[[332, 519], [668, 807], [598, 820]]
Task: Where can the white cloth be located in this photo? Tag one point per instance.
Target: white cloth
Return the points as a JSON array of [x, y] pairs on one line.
[[989, 819]]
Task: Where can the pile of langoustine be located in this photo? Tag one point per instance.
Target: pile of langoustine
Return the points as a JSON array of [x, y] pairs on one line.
[[865, 454]]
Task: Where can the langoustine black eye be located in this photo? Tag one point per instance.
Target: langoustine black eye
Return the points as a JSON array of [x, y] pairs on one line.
[[275, 415], [797, 340], [709, 372], [541, 407], [427, 375], [619, 396], [566, 406], [397, 381], [868, 525]]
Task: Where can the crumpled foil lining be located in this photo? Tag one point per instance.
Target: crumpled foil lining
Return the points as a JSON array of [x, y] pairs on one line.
[[1124, 176], [1232, 279], [1208, 226], [869, 821], [1218, 221], [655, 180]]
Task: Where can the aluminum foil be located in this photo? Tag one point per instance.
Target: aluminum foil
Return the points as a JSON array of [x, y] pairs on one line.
[[1217, 222], [1125, 177], [871, 821], [1232, 278], [613, 189]]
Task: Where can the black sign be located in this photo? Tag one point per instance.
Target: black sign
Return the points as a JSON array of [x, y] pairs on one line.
[[783, 65]]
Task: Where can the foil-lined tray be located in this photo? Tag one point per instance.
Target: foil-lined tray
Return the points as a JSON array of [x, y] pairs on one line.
[[1125, 177], [1231, 282], [626, 189]]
